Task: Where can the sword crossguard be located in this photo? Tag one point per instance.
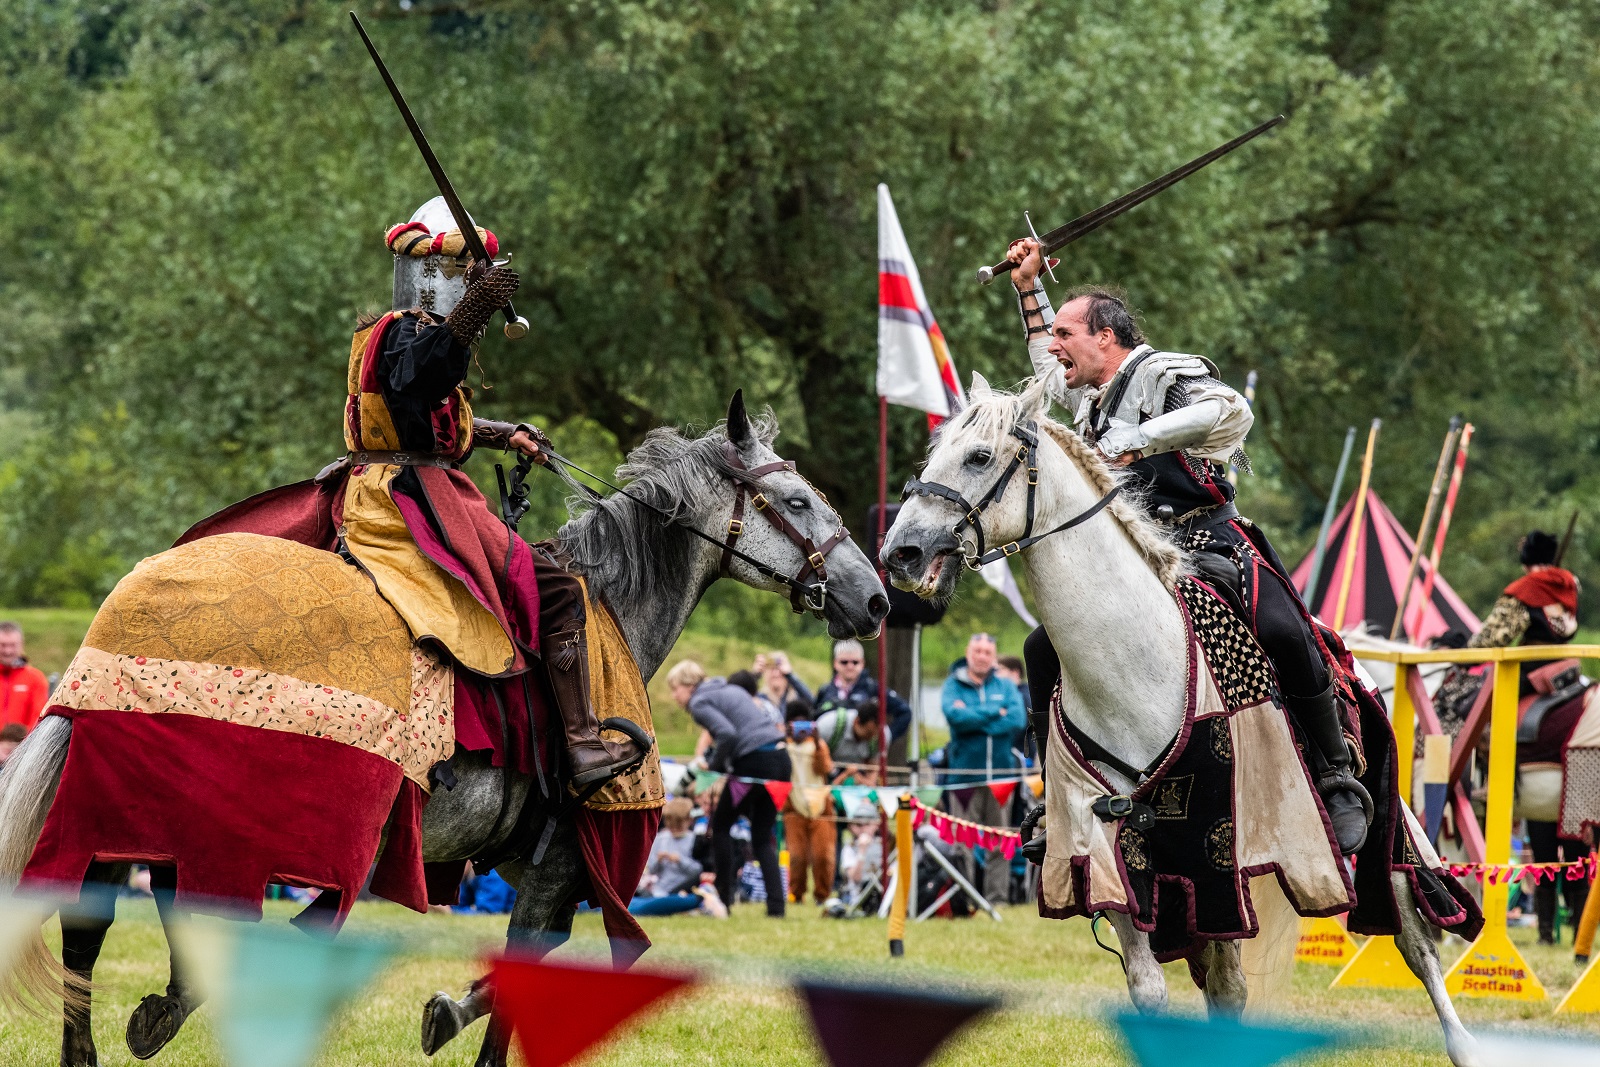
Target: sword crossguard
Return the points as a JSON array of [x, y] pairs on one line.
[[1043, 257]]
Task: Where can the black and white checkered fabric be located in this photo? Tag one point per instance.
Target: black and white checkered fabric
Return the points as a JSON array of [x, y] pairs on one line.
[[1240, 667]]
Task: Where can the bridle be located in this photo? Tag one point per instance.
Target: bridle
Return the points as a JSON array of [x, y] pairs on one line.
[[1027, 453], [804, 593]]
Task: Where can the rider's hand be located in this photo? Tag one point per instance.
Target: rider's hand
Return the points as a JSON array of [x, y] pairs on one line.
[[1025, 253], [522, 441]]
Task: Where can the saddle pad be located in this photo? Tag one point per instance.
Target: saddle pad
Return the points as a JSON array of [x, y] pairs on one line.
[[616, 689], [1232, 800]]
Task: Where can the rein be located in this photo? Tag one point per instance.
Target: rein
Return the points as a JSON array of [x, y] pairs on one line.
[[804, 594], [1027, 453]]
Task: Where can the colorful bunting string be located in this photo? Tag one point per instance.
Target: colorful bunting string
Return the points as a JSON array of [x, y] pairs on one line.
[[962, 832], [1177, 1041], [1579, 870]]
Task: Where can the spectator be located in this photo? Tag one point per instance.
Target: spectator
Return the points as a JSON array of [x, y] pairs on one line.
[[853, 738], [1011, 667], [23, 688], [671, 874], [853, 685], [986, 721], [11, 735], [744, 680], [861, 863], [748, 745], [808, 820], [779, 684], [485, 894]]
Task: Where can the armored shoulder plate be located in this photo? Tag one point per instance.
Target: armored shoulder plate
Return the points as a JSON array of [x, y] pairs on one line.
[[1146, 395]]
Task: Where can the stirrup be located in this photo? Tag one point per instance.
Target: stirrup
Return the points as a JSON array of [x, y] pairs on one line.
[[642, 744]]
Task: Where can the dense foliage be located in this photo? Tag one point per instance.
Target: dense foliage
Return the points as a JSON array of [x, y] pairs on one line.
[[194, 195]]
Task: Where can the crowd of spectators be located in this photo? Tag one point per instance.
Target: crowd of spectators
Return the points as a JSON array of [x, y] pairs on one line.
[[23, 691], [719, 843]]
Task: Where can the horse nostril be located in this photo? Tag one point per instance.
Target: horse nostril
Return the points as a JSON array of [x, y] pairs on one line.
[[906, 555], [878, 607]]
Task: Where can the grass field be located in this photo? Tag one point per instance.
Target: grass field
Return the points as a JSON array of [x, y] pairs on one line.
[[1057, 987]]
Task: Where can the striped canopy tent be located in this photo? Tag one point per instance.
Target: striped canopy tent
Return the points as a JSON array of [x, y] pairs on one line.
[[1383, 555]]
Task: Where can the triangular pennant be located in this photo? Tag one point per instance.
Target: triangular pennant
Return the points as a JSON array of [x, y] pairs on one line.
[[272, 990], [1175, 1041], [964, 795], [739, 789], [1002, 791], [779, 792], [704, 780], [838, 800], [20, 919], [1036, 786], [559, 1012], [849, 1021], [889, 802], [930, 795]]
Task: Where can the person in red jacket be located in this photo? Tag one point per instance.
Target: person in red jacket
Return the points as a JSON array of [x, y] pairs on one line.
[[23, 688]]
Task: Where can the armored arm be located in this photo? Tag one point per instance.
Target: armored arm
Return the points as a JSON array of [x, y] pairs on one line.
[[484, 296], [487, 433], [1037, 318], [1202, 417]]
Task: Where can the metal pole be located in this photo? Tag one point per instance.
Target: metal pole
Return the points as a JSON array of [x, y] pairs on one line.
[[883, 643], [1427, 520], [1353, 534], [1444, 528], [915, 746], [1327, 518]]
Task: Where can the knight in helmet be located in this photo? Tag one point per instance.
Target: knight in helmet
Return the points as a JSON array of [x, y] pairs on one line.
[[457, 574]]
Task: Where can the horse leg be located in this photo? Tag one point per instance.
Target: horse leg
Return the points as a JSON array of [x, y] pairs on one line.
[[1225, 984], [83, 934], [159, 1016], [540, 920], [1415, 943], [1147, 984]]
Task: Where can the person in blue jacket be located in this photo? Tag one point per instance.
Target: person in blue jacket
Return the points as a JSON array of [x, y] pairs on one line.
[[987, 720]]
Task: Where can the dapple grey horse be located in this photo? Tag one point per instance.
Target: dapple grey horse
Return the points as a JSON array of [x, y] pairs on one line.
[[649, 569]]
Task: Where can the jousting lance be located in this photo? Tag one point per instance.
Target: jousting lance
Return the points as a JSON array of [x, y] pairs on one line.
[[1062, 236], [516, 325]]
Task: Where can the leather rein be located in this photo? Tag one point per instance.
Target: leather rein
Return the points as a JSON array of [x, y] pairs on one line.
[[1027, 453], [804, 593]]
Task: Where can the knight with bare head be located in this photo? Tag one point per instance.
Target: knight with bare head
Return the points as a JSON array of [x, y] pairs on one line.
[[1168, 420]]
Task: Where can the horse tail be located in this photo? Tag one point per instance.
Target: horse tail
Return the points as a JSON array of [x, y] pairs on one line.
[[27, 789], [1268, 958]]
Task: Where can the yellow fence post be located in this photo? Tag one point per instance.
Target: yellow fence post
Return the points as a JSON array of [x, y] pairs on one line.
[[1404, 720], [903, 876], [1491, 966]]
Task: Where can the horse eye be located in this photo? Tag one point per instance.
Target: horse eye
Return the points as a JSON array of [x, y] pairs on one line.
[[980, 458], [798, 503]]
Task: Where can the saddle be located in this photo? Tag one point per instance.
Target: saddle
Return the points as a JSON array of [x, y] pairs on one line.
[[1554, 685]]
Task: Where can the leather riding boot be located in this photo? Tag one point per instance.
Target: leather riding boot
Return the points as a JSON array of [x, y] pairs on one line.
[[1346, 800], [590, 758]]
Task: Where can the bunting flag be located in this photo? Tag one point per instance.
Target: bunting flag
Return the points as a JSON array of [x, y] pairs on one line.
[[914, 368], [739, 789], [849, 1021], [889, 802], [1175, 1041], [1002, 791], [1512, 1050], [558, 1012], [20, 919], [930, 795], [273, 991], [704, 780], [779, 792]]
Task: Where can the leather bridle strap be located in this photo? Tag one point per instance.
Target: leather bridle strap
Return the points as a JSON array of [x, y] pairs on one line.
[[1027, 453], [815, 555]]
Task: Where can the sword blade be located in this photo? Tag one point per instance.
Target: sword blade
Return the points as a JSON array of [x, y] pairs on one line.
[[469, 231], [1062, 236], [1087, 223]]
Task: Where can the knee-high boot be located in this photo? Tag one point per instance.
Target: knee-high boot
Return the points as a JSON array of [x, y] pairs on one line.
[[590, 758], [1346, 800]]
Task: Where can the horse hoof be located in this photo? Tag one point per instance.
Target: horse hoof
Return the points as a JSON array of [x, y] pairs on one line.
[[154, 1022], [442, 1019]]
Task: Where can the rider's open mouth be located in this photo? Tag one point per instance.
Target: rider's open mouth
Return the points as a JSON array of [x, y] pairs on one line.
[[1066, 363]]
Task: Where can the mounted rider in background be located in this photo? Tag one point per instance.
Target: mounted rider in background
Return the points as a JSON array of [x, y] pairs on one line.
[[1167, 420], [458, 574]]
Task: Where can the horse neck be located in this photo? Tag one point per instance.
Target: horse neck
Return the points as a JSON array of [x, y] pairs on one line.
[[1116, 629], [651, 622]]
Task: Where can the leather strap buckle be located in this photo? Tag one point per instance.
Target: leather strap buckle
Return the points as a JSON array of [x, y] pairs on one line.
[[735, 527], [760, 501], [1012, 549], [816, 560]]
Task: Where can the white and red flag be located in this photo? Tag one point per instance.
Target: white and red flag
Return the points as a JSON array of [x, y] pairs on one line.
[[914, 365], [914, 368]]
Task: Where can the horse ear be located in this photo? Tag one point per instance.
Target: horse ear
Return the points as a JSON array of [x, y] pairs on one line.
[[738, 421], [979, 389]]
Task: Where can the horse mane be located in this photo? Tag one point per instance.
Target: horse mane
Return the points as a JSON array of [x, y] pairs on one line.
[[623, 545], [1002, 411]]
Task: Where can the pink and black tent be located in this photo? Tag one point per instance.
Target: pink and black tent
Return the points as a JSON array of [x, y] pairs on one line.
[[1383, 555]]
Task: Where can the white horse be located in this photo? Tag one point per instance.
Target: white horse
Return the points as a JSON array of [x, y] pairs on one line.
[[1103, 589]]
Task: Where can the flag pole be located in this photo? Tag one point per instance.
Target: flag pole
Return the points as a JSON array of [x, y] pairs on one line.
[[1353, 533], [1444, 528], [1327, 518], [883, 637], [1434, 489]]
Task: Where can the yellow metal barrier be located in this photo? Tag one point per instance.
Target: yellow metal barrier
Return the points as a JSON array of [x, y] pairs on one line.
[[1491, 965]]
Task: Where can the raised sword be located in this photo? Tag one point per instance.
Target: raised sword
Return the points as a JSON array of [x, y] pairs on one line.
[[516, 325], [1062, 236]]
